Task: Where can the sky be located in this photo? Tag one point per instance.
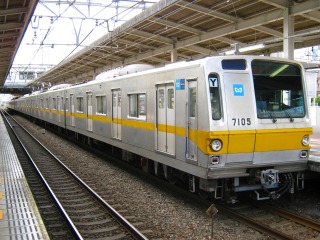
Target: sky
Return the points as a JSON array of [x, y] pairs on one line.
[[57, 31]]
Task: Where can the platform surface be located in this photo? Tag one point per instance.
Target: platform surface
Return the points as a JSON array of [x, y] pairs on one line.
[[314, 158], [19, 216]]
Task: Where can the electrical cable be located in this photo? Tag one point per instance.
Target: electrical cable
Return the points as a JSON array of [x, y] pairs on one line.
[[47, 34], [71, 67]]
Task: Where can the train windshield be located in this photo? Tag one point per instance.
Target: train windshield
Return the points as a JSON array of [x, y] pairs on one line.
[[215, 96], [278, 89]]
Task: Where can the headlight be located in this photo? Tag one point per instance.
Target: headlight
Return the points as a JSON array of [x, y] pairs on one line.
[[216, 145], [305, 140]]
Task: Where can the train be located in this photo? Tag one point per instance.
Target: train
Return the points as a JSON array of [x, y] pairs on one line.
[[221, 125]]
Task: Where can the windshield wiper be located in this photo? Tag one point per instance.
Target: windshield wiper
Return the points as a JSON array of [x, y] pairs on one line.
[[288, 115], [274, 120]]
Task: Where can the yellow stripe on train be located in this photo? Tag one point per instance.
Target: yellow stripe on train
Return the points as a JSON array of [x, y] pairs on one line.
[[239, 141]]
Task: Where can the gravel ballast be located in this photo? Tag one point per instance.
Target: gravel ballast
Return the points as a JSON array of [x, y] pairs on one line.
[[164, 213]]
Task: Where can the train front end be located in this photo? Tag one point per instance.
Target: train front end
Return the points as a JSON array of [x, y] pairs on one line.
[[259, 127]]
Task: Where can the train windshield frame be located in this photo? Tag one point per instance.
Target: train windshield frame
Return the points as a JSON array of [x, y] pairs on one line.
[[278, 89]]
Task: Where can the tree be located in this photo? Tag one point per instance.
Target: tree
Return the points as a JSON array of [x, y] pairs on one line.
[[316, 100]]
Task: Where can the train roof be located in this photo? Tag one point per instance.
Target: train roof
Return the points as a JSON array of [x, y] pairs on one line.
[[130, 69], [140, 69], [60, 86]]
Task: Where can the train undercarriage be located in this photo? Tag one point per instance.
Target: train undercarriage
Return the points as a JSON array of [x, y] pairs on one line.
[[260, 184]]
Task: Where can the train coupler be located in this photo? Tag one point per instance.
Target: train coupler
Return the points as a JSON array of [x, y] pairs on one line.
[[269, 177]]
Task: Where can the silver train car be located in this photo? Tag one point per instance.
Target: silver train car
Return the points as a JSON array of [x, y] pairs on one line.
[[224, 125]]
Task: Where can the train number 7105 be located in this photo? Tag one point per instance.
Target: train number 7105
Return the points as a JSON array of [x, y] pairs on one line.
[[241, 121]]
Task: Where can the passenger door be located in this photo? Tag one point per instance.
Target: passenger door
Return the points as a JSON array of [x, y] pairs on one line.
[[40, 106], [65, 106], [50, 107], [59, 108], [192, 121], [165, 124], [72, 109], [89, 111], [116, 114]]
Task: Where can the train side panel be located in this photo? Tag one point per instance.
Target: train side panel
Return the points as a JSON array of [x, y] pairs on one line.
[[229, 124], [139, 134]]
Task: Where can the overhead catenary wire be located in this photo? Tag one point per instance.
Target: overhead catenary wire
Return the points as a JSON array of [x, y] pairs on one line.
[[73, 66], [125, 10], [78, 45], [113, 41], [46, 35]]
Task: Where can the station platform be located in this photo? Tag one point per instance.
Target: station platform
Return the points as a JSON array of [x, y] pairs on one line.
[[315, 142], [314, 158], [19, 216]]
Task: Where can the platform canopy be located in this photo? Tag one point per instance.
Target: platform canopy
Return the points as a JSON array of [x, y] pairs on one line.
[[175, 30], [15, 16]]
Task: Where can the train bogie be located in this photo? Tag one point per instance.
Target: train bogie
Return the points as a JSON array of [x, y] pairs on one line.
[[225, 124]]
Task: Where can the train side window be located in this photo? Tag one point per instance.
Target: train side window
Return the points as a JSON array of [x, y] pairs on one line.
[[142, 106], [171, 98], [101, 104], [79, 104], [71, 103], [193, 101], [47, 103], [67, 104], [137, 106], [54, 103], [161, 98], [59, 102], [214, 93], [133, 110]]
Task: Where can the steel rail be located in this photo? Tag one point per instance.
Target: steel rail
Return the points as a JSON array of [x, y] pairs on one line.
[[129, 227], [253, 224], [294, 217], [62, 210]]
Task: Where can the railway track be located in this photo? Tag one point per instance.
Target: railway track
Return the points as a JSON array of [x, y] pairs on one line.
[[73, 211], [263, 218], [273, 221]]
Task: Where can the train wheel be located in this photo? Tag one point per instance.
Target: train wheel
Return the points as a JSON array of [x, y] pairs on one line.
[[203, 194], [171, 177], [172, 180]]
